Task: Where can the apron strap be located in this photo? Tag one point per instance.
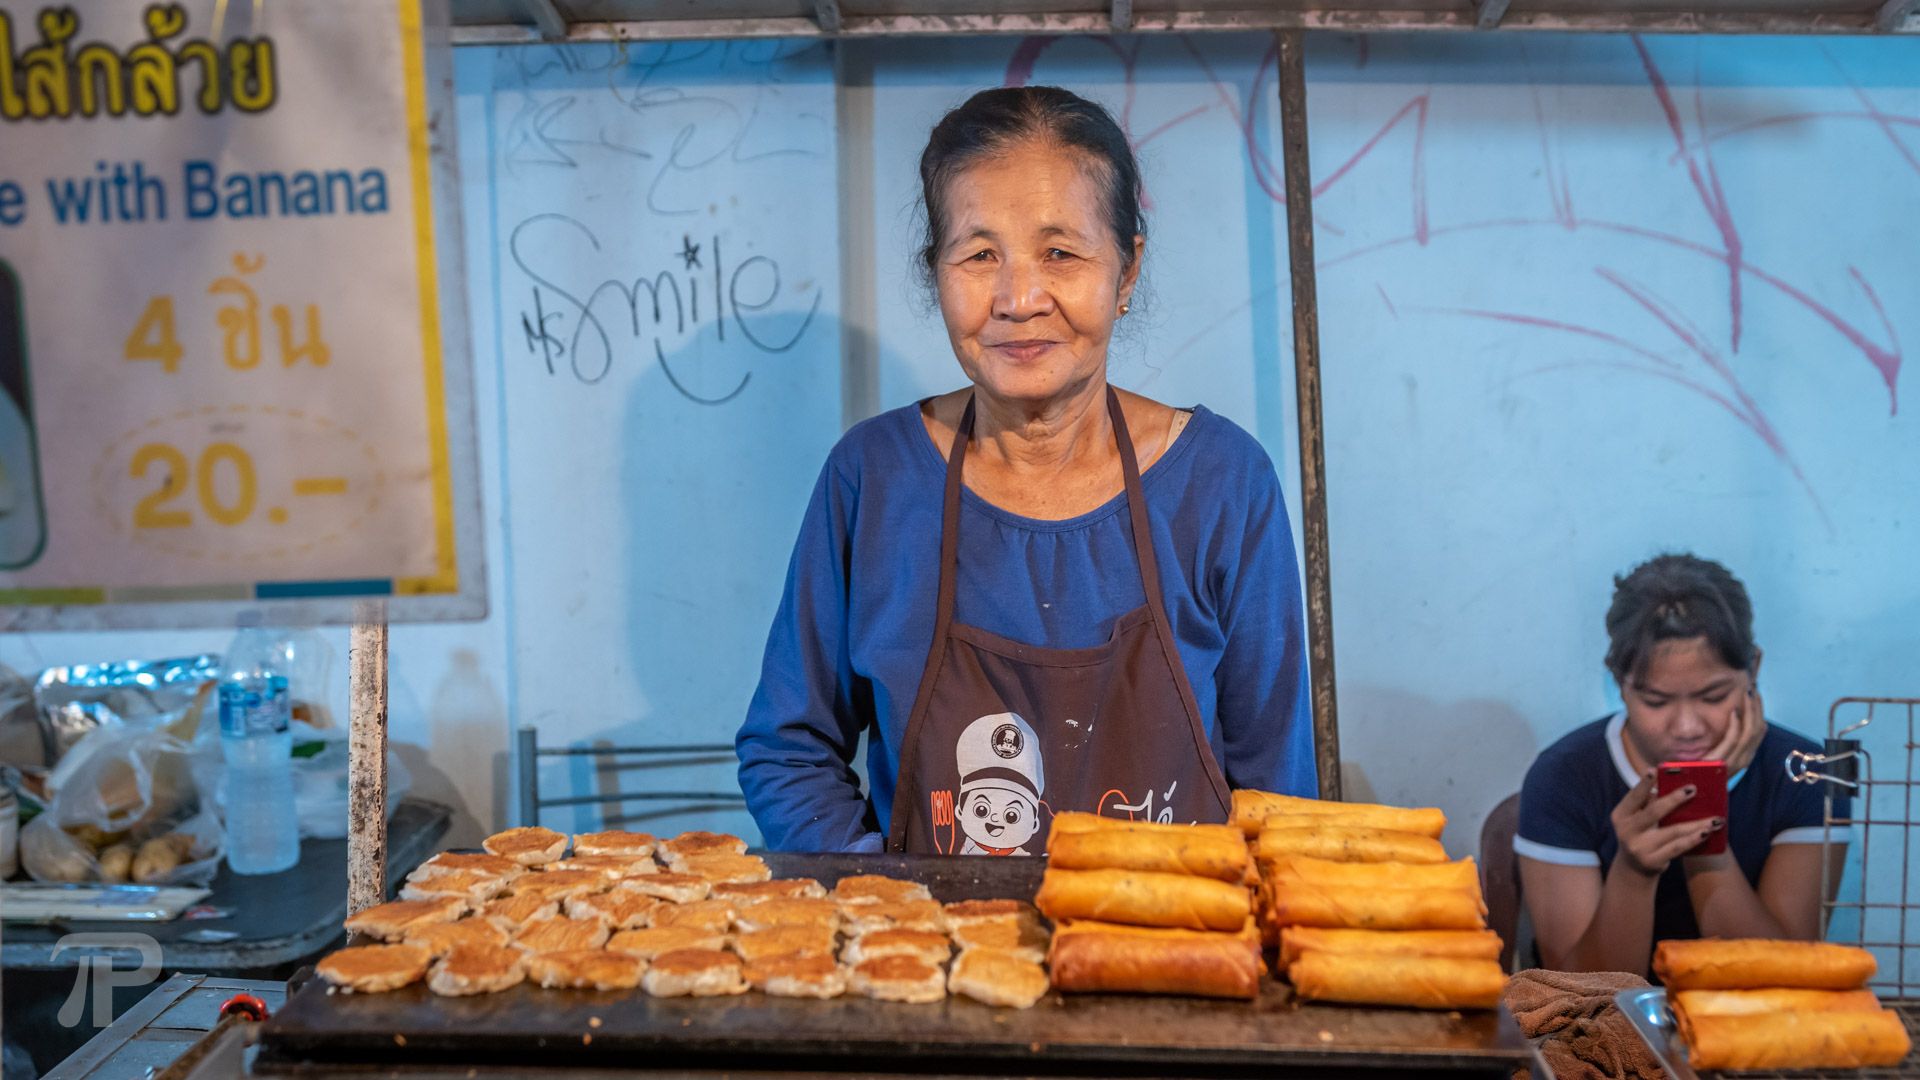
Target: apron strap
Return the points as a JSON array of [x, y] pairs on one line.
[[1156, 604], [1144, 557], [950, 524]]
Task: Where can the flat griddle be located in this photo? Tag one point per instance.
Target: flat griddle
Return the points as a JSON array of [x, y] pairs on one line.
[[1064, 1033]]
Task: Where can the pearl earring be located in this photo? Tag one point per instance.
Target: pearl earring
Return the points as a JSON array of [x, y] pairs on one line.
[[1123, 309]]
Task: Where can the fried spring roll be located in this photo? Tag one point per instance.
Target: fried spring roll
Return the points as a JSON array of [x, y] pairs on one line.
[[1144, 898], [1422, 982], [1253, 809], [1458, 944], [1388, 875], [1296, 903], [1344, 843], [1076, 821], [1163, 849], [1779, 999], [1105, 958], [1810, 1040], [1745, 963]]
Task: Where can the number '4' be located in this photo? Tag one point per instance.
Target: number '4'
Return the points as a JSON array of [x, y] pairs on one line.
[[153, 337]]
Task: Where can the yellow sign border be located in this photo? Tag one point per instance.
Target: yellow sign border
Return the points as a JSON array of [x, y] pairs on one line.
[[446, 575]]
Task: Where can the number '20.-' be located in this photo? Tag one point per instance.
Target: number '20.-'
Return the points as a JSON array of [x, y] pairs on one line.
[[153, 511]]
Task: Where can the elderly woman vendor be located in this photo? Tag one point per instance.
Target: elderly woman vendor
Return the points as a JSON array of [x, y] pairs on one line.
[[1035, 593]]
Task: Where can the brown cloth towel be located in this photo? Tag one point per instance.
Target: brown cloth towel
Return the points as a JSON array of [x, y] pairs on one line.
[[1577, 1029]]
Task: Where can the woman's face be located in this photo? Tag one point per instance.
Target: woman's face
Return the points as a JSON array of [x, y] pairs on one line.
[[1681, 706], [1029, 276]]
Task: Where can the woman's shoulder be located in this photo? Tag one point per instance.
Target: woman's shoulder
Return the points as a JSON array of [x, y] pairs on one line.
[[885, 438], [1584, 749], [1214, 454]]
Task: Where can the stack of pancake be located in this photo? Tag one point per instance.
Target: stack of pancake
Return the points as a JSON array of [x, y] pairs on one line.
[[691, 916], [1149, 908], [1366, 908], [1758, 1004]]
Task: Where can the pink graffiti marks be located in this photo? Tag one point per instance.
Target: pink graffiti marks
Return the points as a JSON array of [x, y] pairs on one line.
[[1731, 395], [1720, 384], [1870, 111], [1712, 198]]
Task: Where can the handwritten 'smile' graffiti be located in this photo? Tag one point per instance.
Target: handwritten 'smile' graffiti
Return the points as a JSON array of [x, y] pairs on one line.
[[586, 329]]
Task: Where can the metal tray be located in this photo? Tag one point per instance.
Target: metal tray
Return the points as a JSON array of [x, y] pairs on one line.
[[1141, 1035], [1647, 1010]]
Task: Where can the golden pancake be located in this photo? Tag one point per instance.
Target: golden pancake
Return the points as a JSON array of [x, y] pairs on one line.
[[557, 935], [921, 944], [656, 940], [899, 978], [510, 913], [995, 977], [890, 915], [700, 843], [803, 975], [373, 969], [752, 892], [611, 867], [620, 910], [469, 885], [472, 861], [712, 916], [477, 969], [873, 888], [389, 921], [614, 842], [770, 913], [782, 940], [696, 973], [585, 969], [529, 845], [725, 868], [978, 911], [673, 888], [442, 938], [560, 884], [1026, 939]]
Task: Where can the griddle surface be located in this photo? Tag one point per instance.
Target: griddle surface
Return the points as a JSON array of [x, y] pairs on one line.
[[552, 1027]]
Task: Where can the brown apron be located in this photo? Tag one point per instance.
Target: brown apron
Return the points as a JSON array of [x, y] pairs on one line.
[[1004, 735]]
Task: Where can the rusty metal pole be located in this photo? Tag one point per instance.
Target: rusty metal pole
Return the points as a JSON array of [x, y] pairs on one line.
[[1306, 374], [367, 759]]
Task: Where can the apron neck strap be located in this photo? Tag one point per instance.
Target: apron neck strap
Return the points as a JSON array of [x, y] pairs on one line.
[[1136, 509]]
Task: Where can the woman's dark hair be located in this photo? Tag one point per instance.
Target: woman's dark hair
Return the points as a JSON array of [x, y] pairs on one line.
[[1678, 597], [992, 121]]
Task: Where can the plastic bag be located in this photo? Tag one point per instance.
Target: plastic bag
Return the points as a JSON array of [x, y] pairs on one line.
[[125, 789], [320, 781]]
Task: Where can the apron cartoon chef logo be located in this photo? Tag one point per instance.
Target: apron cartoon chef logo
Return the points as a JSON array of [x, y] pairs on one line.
[[1001, 781]]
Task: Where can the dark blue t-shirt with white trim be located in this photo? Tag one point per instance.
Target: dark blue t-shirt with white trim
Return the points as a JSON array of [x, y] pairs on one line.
[[1567, 802]]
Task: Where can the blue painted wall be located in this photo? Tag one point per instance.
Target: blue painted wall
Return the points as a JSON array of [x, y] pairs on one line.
[[1583, 299]]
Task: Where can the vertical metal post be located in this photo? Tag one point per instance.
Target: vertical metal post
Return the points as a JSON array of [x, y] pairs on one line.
[[859, 304], [367, 759], [1306, 373], [527, 765]]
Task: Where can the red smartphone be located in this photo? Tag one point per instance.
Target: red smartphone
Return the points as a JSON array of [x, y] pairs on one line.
[[1709, 779]]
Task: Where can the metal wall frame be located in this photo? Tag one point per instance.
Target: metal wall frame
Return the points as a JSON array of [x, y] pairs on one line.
[[486, 22]]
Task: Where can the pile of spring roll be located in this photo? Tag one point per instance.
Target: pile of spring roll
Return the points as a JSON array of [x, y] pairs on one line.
[[1147, 908], [1758, 1004], [1366, 908]]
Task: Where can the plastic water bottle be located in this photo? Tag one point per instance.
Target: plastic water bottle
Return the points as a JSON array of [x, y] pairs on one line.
[[263, 831]]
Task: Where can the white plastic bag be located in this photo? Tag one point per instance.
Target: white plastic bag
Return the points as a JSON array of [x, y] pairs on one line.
[[320, 782], [123, 785]]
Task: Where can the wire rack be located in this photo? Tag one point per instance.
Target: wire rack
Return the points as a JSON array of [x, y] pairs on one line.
[[1882, 818]]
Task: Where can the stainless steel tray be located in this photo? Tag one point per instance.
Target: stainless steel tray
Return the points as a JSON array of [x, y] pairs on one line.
[[1647, 1010]]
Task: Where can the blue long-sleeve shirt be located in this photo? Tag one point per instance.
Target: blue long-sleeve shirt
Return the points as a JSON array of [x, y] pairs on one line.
[[850, 640]]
